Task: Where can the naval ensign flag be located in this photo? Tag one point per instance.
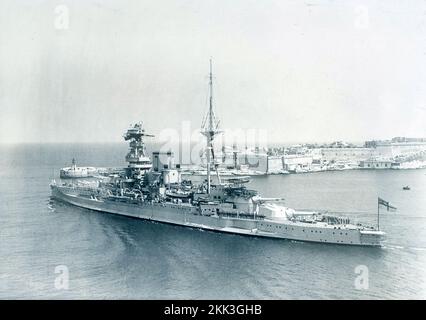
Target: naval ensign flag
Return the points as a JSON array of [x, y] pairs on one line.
[[386, 204], [381, 202]]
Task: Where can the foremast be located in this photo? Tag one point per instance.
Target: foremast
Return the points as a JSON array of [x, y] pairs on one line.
[[210, 128]]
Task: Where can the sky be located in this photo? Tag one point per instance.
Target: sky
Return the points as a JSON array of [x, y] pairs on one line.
[[305, 71]]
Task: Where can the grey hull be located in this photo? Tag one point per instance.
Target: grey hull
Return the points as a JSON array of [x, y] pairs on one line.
[[188, 216]]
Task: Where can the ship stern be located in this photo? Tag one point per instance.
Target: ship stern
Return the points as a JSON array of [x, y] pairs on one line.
[[372, 237]]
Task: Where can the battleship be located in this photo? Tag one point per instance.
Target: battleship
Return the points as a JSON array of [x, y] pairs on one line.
[[156, 191]]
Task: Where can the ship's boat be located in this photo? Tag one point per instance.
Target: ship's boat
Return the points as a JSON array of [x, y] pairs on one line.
[[179, 194]]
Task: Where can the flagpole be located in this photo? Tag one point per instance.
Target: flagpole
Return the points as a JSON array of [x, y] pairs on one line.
[[378, 214], [382, 202]]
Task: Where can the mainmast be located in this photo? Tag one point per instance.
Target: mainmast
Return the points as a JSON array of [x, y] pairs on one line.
[[210, 129]]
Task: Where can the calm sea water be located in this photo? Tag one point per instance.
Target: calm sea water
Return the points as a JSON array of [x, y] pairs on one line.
[[115, 257]]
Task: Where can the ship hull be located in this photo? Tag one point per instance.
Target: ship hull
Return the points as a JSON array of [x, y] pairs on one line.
[[188, 216]]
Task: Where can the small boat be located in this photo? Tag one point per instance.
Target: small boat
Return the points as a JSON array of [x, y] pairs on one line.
[[406, 188], [178, 194]]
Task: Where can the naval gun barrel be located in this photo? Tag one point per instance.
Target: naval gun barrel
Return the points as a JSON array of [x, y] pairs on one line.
[[263, 200]]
